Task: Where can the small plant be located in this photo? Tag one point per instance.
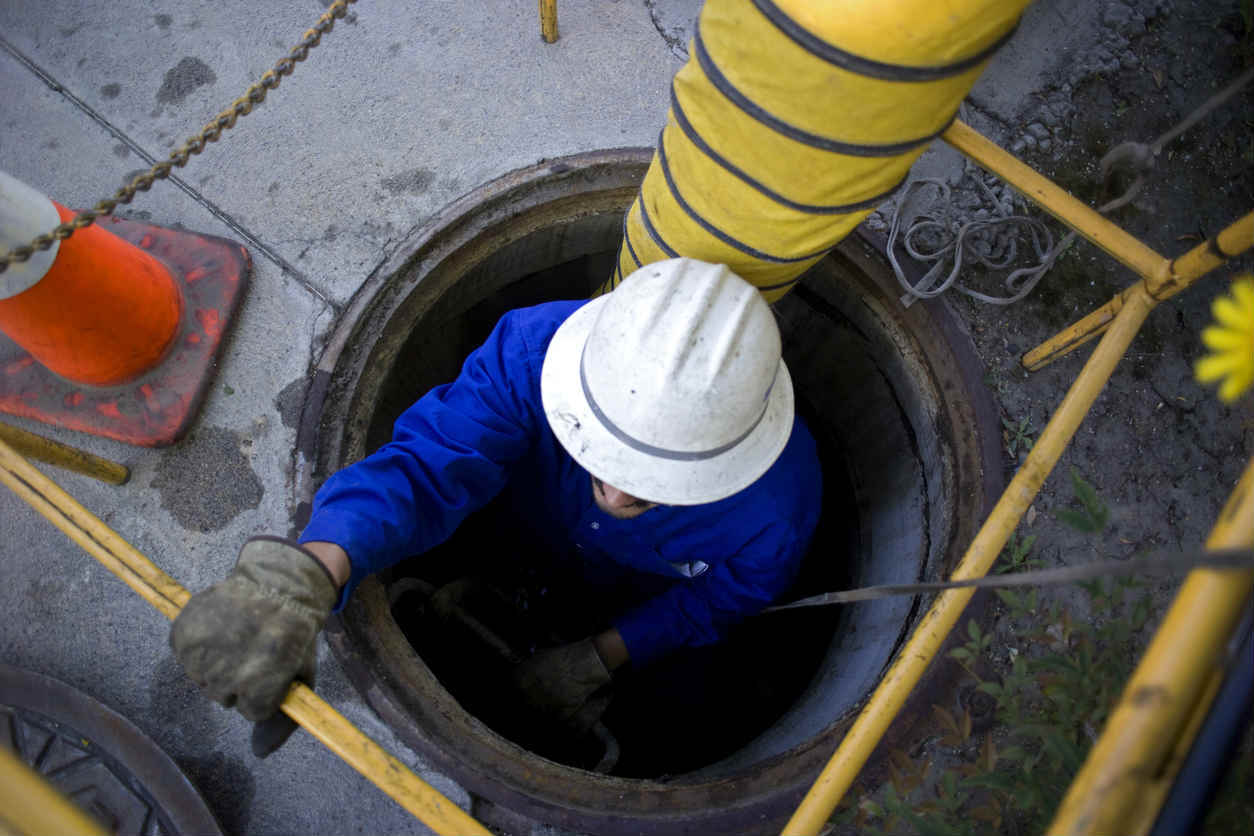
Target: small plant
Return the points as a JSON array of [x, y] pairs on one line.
[[1018, 437], [1014, 558], [1050, 696], [1050, 699], [975, 648], [1092, 515]]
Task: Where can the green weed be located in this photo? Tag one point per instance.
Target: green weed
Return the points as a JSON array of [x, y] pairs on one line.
[[1092, 515], [1018, 437], [1050, 701], [1051, 694]]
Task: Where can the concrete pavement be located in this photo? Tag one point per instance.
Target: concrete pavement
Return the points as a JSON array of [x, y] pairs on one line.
[[402, 108]]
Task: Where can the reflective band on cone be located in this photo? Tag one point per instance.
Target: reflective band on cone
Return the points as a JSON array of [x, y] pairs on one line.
[[104, 313]]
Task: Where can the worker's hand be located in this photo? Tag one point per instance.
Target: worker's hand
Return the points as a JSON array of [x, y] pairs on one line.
[[562, 682], [247, 637]]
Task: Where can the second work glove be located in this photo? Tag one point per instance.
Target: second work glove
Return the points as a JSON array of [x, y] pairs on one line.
[[247, 637], [563, 682]]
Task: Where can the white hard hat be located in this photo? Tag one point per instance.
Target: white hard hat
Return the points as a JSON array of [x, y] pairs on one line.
[[671, 388]]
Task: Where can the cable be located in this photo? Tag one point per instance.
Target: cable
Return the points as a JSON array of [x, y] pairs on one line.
[[1162, 562]]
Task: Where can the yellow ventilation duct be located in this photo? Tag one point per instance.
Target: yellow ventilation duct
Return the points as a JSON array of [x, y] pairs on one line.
[[793, 119]]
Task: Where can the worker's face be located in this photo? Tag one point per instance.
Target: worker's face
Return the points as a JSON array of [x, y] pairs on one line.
[[617, 504]]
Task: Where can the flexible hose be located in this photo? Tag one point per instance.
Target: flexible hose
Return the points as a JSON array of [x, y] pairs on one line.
[[793, 119]]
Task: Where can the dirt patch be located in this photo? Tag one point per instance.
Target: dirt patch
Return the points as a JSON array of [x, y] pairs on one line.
[[207, 480], [183, 78]]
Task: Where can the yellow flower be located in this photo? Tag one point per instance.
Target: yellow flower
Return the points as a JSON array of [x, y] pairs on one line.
[[1232, 342]]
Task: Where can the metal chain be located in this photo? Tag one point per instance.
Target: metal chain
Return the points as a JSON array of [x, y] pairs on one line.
[[224, 121]]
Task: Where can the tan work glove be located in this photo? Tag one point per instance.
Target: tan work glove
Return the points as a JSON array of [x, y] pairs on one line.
[[562, 682], [247, 637]]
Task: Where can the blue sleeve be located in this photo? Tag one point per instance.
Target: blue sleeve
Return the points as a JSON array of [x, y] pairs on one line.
[[701, 611], [450, 454]]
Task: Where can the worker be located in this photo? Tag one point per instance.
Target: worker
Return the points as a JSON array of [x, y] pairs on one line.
[[648, 433]]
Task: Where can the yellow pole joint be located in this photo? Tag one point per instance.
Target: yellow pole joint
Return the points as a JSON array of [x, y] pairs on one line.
[[1197, 262], [1161, 699], [1170, 279]]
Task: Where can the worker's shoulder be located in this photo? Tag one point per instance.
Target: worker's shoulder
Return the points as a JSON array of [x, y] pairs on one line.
[[792, 486], [542, 320], [533, 327], [798, 463]]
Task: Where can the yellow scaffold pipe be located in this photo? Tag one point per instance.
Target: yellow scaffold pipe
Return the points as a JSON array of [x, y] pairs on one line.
[[925, 641], [548, 21], [1126, 248], [168, 596], [1185, 271], [1123, 782], [63, 455], [793, 119], [30, 806]]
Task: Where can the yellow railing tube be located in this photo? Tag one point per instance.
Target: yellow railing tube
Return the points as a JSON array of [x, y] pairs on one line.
[[1124, 247], [925, 641], [301, 704], [31, 806], [63, 455], [1161, 698], [1185, 270]]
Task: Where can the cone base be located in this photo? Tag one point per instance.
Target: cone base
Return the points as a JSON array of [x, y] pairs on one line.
[[156, 408]]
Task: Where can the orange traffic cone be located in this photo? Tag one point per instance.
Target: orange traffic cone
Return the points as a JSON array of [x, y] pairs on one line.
[[115, 329]]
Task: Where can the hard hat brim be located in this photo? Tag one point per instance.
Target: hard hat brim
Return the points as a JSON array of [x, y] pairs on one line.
[[646, 475]]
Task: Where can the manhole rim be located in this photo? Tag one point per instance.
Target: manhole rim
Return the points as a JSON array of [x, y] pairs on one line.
[[734, 803]]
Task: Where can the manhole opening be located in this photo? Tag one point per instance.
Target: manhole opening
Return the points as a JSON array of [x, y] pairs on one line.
[[675, 717], [907, 438]]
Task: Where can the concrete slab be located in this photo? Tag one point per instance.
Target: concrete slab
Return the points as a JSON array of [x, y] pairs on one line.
[[401, 109], [188, 507]]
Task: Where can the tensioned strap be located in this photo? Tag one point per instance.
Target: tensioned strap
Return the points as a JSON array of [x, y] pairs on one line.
[[1161, 562]]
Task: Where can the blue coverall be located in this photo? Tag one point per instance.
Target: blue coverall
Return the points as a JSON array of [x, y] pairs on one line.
[[485, 434]]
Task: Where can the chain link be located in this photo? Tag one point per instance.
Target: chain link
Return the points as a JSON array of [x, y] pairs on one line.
[[224, 121]]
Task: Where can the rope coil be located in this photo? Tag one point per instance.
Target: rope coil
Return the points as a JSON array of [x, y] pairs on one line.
[[964, 241]]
